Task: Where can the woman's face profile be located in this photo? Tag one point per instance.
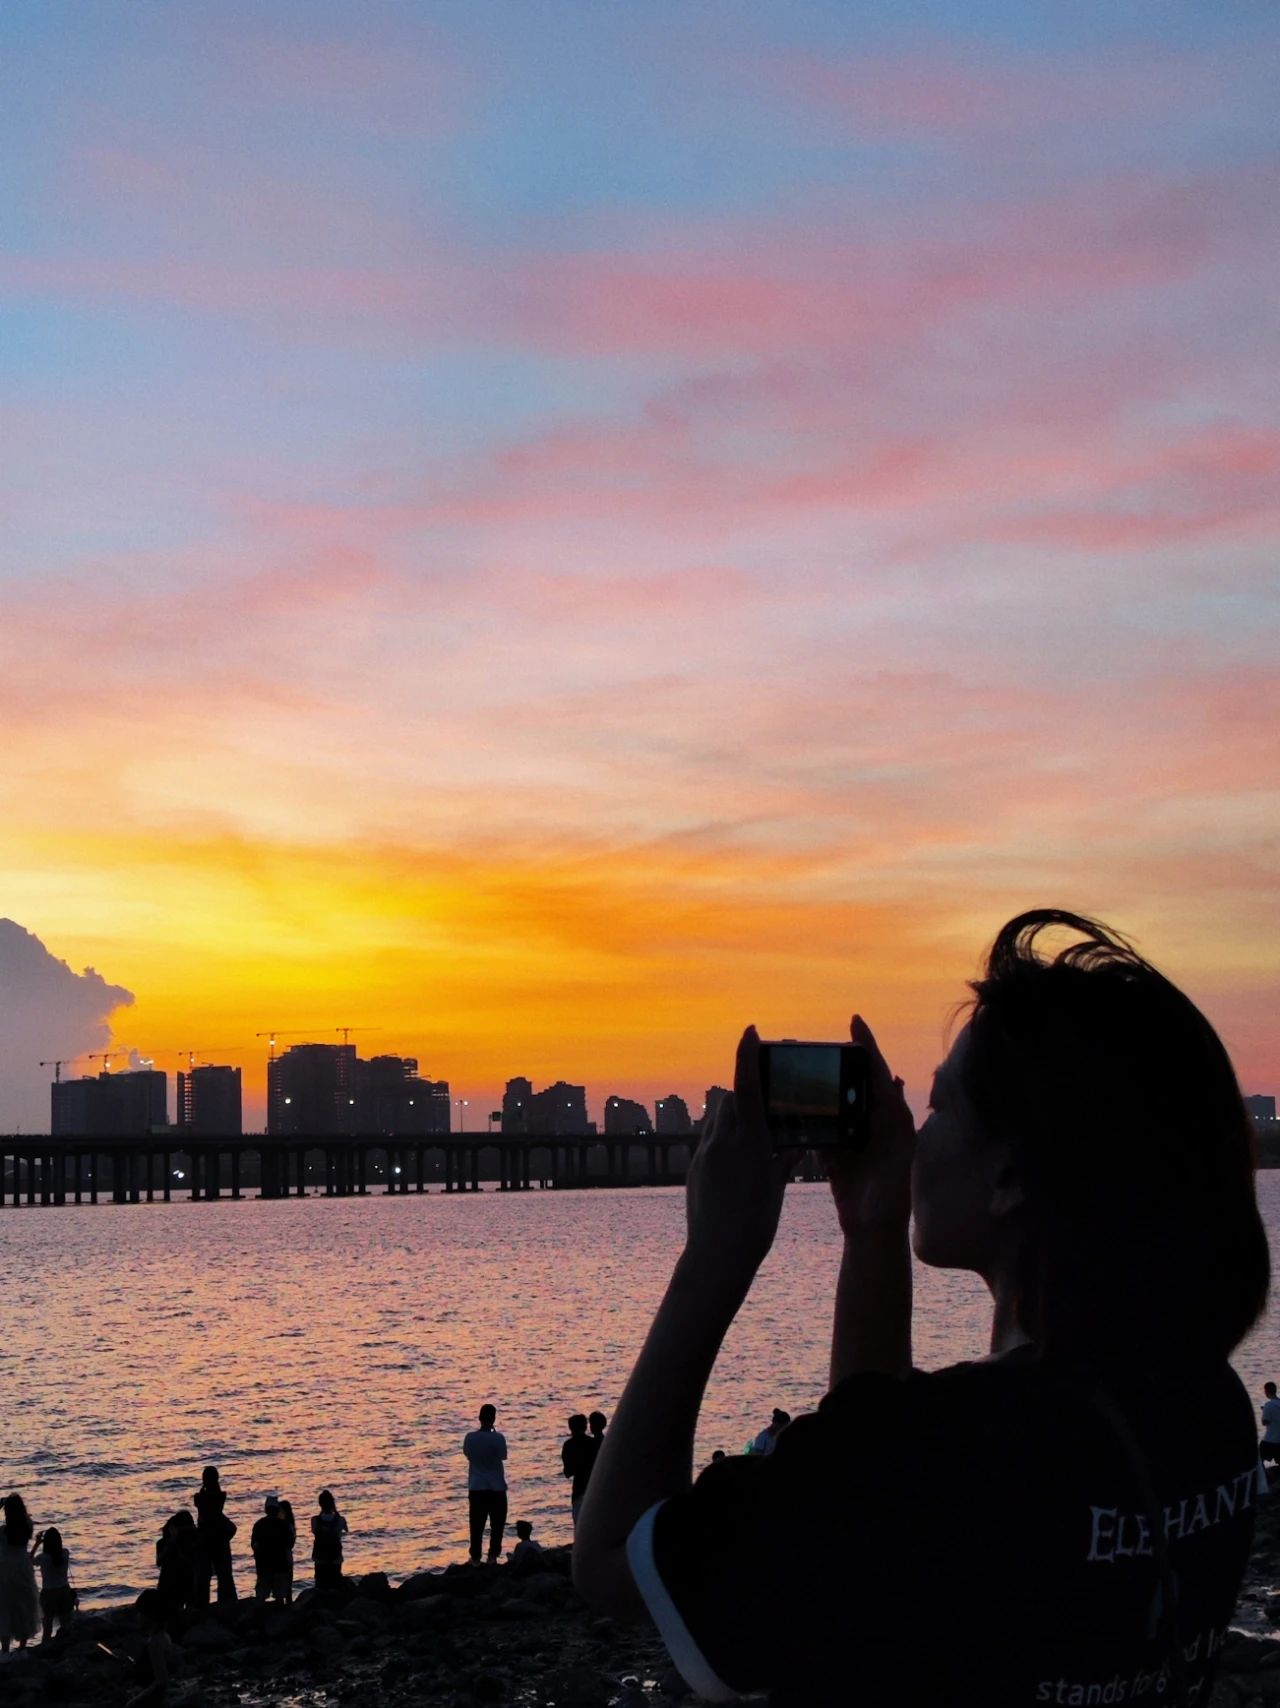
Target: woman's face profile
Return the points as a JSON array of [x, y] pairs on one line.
[[953, 1177]]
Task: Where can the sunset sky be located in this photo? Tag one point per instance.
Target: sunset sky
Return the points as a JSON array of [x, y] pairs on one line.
[[551, 531]]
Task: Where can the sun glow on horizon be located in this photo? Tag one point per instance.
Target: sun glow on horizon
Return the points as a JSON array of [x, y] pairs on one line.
[[555, 556]]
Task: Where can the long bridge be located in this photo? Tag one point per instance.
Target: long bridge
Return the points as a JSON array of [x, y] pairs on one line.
[[124, 1169]]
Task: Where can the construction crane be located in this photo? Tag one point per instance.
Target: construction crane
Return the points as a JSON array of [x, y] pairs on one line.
[[348, 1030], [103, 1056], [276, 1032], [200, 1050], [58, 1065]]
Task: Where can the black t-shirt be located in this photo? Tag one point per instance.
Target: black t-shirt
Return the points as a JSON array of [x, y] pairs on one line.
[[272, 1547], [971, 1536], [577, 1456], [209, 1503]]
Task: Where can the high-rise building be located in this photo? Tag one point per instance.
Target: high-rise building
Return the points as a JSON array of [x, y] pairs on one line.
[[311, 1089], [110, 1105], [209, 1101], [1263, 1109], [716, 1095], [517, 1100], [392, 1099], [623, 1117], [559, 1108], [672, 1117]]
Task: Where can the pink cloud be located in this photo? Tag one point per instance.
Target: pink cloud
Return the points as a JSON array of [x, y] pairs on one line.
[[959, 97]]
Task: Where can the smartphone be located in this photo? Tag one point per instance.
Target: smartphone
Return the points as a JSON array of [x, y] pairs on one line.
[[816, 1096]]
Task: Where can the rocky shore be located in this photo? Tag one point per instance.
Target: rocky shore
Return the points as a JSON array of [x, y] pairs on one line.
[[470, 1636]]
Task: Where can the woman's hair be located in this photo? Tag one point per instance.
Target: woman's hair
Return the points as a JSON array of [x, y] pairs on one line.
[[54, 1547], [1141, 1239], [18, 1528], [150, 1607], [209, 1477], [327, 1502]]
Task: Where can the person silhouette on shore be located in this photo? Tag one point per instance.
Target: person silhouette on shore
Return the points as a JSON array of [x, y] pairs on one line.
[[577, 1456], [57, 1598], [214, 1531], [599, 1423], [527, 1553], [272, 1554], [767, 1440], [328, 1527], [176, 1562], [1269, 1446], [157, 1655], [486, 1451], [291, 1526], [718, 1455], [19, 1602]]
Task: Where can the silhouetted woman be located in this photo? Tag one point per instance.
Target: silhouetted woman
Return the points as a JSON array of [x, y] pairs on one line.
[[52, 1560], [291, 1525], [19, 1602], [214, 1531], [1064, 1521], [176, 1561], [328, 1527], [157, 1655]]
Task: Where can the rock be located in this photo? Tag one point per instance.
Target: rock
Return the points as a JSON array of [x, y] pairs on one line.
[[419, 1586], [209, 1639], [605, 1628], [375, 1586], [549, 1590], [325, 1640], [1242, 1654], [363, 1610], [484, 1686], [576, 1687], [416, 1615]]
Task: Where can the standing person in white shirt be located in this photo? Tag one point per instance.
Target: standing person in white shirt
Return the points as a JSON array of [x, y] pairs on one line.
[[486, 1451], [1269, 1447]]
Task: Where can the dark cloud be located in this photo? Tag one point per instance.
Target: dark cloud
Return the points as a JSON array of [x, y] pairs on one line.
[[46, 1011]]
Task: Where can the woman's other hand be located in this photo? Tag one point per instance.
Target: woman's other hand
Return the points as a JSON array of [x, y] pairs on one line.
[[736, 1179], [872, 1186]]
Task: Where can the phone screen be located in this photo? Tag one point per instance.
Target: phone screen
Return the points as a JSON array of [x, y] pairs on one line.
[[814, 1094]]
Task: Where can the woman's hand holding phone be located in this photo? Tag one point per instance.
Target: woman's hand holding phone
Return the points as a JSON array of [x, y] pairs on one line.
[[872, 1186], [736, 1180]]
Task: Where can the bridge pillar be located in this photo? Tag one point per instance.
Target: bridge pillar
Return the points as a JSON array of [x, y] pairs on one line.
[[269, 1173], [361, 1159], [151, 1177], [46, 1177], [166, 1185], [93, 1177], [120, 1178], [301, 1158], [235, 1172], [79, 1175]]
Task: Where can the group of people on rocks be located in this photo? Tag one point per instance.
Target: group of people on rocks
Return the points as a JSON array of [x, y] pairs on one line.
[[578, 1455], [24, 1552], [194, 1553], [485, 1450]]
